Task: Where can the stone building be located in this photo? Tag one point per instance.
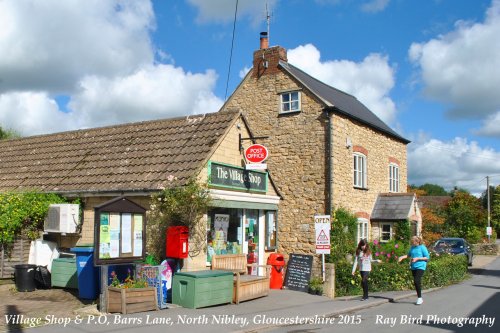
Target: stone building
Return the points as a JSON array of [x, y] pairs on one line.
[[139, 159], [326, 149]]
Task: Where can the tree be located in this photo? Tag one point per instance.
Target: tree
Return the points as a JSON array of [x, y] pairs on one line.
[[466, 217], [495, 209], [427, 189], [432, 225], [8, 134], [433, 189]]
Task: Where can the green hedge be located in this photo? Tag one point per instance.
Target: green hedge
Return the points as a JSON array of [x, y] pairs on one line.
[[441, 271]]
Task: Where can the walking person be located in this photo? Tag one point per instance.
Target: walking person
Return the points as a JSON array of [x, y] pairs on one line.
[[364, 260], [419, 256]]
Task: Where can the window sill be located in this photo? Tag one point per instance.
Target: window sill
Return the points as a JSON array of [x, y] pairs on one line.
[[360, 188], [289, 113]]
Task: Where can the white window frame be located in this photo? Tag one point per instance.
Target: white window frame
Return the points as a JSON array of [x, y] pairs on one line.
[[362, 232], [393, 178], [290, 102], [382, 232], [359, 170]]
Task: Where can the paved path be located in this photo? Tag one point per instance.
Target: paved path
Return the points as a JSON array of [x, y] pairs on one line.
[[60, 303]]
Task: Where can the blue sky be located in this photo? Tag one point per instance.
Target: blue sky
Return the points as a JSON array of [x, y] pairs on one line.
[[430, 68]]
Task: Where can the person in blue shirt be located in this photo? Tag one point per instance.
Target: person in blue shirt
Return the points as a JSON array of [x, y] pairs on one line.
[[419, 256]]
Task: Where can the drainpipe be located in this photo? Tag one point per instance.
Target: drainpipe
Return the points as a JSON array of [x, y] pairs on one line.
[[329, 161], [329, 174]]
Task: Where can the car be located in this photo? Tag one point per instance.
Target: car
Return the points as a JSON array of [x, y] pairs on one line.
[[457, 246]]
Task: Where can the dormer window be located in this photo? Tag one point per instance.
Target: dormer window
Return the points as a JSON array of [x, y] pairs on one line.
[[290, 102]]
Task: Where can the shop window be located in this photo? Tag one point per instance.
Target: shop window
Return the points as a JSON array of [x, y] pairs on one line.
[[385, 232], [271, 233], [224, 233], [362, 229]]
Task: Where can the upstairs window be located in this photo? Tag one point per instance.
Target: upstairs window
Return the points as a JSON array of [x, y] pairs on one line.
[[290, 102], [393, 178], [359, 170]]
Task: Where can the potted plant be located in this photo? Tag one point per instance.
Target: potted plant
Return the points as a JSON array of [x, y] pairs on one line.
[[133, 295], [316, 286]]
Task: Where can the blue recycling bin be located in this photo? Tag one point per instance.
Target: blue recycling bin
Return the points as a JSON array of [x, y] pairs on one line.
[[88, 274]]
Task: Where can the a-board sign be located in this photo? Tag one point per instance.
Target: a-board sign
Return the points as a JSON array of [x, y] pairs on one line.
[[298, 272]]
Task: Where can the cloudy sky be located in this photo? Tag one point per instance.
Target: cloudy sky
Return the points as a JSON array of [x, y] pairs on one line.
[[430, 69]]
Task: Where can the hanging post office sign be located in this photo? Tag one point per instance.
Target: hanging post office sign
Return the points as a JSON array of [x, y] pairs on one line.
[[229, 176]]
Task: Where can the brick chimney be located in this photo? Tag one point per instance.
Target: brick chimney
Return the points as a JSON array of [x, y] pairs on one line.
[[266, 59]]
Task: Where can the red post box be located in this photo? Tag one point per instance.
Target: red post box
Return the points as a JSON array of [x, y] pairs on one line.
[[177, 242], [277, 261]]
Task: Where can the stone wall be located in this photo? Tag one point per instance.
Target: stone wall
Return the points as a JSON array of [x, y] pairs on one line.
[[489, 249], [297, 163]]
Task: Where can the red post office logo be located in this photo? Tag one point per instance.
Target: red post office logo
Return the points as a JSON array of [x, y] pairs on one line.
[[256, 153]]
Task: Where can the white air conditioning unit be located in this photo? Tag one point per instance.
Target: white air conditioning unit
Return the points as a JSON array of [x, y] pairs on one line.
[[62, 218]]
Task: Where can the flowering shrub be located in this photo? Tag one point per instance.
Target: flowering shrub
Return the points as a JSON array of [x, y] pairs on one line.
[[389, 275], [388, 252], [129, 281]]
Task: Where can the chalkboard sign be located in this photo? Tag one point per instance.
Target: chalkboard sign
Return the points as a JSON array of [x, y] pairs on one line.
[[298, 272]]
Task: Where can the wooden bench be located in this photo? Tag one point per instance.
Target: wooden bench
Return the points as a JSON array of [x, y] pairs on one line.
[[246, 286]]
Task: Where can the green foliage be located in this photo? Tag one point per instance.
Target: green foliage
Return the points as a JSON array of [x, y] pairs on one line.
[[432, 189], [23, 213], [495, 209], [342, 235], [180, 206], [466, 217], [8, 134], [389, 251], [316, 286], [402, 231], [441, 271], [129, 281]]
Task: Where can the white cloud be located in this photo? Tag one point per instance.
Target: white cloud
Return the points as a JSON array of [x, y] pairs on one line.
[[223, 10], [152, 92], [53, 43], [454, 163], [462, 68], [491, 126], [370, 81], [100, 57], [32, 113], [374, 6]]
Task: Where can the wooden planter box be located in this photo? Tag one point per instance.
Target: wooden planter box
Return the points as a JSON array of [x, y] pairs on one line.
[[132, 300]]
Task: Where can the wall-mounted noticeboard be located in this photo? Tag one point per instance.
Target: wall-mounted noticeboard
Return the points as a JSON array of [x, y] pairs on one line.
[[119, 232]]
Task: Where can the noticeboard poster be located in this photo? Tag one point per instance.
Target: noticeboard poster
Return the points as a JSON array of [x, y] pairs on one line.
[[119, 232]]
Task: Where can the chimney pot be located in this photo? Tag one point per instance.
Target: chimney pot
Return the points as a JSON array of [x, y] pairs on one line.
[[264, 41]]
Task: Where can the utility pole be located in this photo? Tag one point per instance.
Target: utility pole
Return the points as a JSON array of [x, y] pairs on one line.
[[489, 206]]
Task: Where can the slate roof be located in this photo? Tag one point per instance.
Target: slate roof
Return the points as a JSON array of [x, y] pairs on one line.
[[392, 206], [144, 156], [340, 101]]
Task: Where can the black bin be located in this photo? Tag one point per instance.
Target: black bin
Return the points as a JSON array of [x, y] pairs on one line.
[[24, 277]]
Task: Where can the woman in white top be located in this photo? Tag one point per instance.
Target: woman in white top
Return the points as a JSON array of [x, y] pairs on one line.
[[363, 259]]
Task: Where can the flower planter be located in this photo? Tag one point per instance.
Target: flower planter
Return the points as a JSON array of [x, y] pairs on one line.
[[131, 300]]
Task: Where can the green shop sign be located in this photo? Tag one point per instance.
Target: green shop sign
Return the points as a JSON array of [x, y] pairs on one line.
[[223, 175]]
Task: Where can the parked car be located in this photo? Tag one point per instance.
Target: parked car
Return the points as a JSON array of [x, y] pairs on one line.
[[457, 246]]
